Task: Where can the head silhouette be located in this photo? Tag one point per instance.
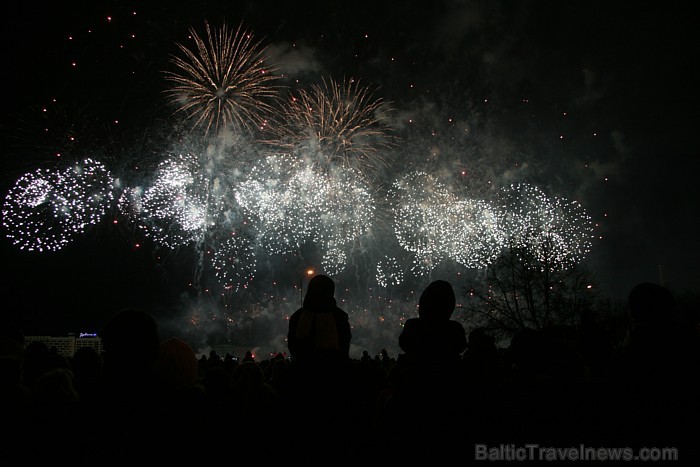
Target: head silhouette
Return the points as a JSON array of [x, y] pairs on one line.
[[177, 363], [320, 293], [437, 302], [131, 336]]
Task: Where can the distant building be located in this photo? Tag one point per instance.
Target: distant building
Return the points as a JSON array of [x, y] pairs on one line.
[[67, 345]]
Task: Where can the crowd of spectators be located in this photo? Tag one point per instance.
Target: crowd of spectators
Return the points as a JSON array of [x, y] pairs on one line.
[[150, 398]]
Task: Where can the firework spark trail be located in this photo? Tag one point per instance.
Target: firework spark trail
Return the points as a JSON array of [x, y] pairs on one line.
[[294, 205], [334, 261], [335, 124], [31, 213], [223, 81], [434, 224], [47, 209]]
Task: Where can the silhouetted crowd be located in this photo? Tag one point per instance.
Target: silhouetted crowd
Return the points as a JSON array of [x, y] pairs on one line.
[[148, 399]]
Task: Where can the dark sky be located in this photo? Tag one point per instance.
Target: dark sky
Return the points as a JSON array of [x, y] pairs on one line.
[[591, 100]]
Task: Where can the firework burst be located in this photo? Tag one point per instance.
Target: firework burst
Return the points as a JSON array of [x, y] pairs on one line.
[[557, 233], [294, 204], [234, 262], [277, 210], [472, 236], [223, 81], [46, 209], [173, 210], [389, 272], [419, 203], [336, 124], [333, 261]]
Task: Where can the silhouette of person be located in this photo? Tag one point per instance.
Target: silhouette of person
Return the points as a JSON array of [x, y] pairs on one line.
[[427, 375], [433, 338], [176, 366], [319, 331], [320, 372], [131, 346], [659, 368], [658, 343], [248, 357]]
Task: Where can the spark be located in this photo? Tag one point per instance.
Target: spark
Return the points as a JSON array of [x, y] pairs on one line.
[[333, 261], [418, 204]]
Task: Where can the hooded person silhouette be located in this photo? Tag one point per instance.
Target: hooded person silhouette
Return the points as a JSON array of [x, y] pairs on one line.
[[320, 373], [425, 380], [433, 337], [319, 330]]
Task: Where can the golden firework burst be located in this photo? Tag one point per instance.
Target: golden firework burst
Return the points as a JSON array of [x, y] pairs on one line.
[[223, 80], [336, 124]]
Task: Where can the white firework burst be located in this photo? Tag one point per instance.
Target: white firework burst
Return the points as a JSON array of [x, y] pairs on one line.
[[234, 263], [294, 204], [46, 209], [173, 210], [389, 272], [557, 233]]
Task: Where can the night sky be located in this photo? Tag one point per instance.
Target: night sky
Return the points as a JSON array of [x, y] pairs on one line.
[[592, 101]]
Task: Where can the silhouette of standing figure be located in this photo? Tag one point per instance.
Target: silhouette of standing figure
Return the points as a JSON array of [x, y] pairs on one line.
[[433, 338], [425, 380], [319, 331], [659, 372], [130, 403], [319, 343]]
